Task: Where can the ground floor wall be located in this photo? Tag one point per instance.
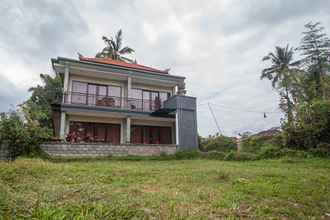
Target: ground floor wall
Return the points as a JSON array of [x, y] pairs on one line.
[[104, 150], [118, 130]]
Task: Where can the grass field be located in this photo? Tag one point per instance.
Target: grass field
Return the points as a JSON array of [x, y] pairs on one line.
[[174, 189]]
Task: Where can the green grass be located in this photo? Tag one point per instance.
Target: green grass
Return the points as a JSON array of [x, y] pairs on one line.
[[174, 189]]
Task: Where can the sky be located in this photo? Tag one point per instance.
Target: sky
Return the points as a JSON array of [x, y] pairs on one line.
[[217, 45]]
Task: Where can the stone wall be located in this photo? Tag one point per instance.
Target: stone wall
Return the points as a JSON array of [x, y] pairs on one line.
[[103, 150]]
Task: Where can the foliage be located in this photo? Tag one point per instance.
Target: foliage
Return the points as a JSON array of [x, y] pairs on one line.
[[187, 154], [218, 143], [114, 49], [214, 155], [37, 108], [304, 87], [315, 51], [312, 128], [280, 73], [13, 132], [22, 137]]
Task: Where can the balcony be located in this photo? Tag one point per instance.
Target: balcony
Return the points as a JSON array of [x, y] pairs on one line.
[[114, 102]]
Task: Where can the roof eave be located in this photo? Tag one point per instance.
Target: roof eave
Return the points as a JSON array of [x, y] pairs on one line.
[[64, 59]]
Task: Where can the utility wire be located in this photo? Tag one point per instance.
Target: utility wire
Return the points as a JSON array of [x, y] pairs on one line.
[[214, 118], [240, 110]]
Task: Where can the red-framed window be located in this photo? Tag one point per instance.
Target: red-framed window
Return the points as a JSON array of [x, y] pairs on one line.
[[151, 135], [95, 132]]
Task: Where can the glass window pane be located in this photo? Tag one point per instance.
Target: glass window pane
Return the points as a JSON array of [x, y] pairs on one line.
[[101, 94], [163, 97], [79, 90], [114, 93], [135, 100], [146, 101], [91, 94]]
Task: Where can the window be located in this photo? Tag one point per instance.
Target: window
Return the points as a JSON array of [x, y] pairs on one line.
[[92, 91], [151, 135], [79, 90], [114, 92], [91, 132], [135, 101], [146, 100]]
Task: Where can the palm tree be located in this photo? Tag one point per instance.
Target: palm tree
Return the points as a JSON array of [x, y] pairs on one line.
[[281, 63], [114, 49], [280, 73]]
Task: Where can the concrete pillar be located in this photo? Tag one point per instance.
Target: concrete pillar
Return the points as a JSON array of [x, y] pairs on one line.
[[122, 132], [62, 126], [177, 128], [128, 130], [66, 83], [129, 87]]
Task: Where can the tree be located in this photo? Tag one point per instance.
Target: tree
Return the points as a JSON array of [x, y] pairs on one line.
[[315, 51], [114, 49], [37, 108], [281, 74]]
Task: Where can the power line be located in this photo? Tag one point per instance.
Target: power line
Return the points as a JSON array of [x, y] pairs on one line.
[[214, 118], [240, 110]]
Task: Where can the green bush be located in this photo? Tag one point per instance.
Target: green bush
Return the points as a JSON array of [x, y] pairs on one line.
[[214, 155], [218, 143], [320, 152], [255, 143], [245, 156], [22, 138], [311, 126], [241, 156], [187, 154], [270, 151]]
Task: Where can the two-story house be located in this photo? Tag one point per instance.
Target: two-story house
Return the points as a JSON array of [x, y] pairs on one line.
[[118, 104]]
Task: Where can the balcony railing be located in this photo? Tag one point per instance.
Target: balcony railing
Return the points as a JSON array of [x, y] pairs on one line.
[[112, 101]]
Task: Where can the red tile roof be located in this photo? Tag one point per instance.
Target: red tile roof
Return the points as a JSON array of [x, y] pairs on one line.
[[121, 64]]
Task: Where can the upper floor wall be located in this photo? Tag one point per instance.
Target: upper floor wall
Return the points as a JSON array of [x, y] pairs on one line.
[[93, 83]]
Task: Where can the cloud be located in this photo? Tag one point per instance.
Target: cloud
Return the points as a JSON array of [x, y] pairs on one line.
[[217, 45], [10, 95]]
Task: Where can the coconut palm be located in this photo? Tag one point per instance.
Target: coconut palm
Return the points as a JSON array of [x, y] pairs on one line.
[[281, 63], [280, 73], [114, 49]]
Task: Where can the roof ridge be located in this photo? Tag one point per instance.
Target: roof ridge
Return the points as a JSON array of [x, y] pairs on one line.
[[110, 61]]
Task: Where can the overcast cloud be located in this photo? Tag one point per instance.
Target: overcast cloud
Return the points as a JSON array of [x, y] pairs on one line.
[[217, 45]]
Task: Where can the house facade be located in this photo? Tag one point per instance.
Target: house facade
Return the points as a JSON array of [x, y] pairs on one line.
[[119, 103]]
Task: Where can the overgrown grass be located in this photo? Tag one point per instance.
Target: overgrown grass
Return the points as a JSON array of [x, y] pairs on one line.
[[173, 189]]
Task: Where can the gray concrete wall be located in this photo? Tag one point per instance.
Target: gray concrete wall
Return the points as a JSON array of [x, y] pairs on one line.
[[186, 117], [103, 150]]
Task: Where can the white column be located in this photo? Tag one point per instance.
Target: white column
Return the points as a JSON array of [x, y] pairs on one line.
[[129, 87], [128, 130], [122, 130], [62, 126], [66, 82], [177, 128]]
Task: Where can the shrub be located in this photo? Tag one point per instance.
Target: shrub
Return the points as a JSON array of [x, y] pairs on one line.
[[269, 152], [311, 126], [245, 156], [187, 154], [218, 143], [241, 156], [214, 155], [255, 143], [230, 155], [320, 152], [22, 138]]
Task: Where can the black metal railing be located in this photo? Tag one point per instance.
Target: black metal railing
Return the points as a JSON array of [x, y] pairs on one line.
[[112, 101]]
